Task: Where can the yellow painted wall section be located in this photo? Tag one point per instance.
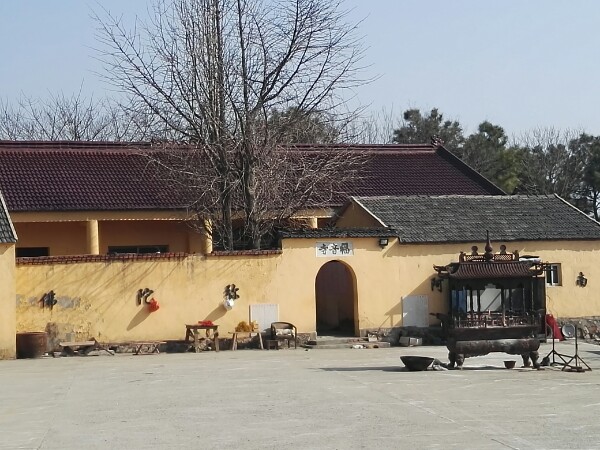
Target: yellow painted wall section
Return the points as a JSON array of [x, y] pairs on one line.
[[385, 276], [7, 301], [413, 264], [568, 299], [144, 233], [99, 299], [70, 238], [355, 216], [96, 299], [62, 238]]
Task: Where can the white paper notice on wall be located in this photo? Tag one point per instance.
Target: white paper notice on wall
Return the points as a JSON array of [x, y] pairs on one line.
[[337, 248], [264, 314], [415, 311]]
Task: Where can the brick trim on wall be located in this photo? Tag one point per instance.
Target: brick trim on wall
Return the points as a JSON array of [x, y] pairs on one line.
[[74, 259], [246, 252]]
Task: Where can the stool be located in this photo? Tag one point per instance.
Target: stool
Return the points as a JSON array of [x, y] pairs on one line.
[[272, 344]]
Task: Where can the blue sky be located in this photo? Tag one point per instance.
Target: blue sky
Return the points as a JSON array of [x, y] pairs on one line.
[[519, 64]]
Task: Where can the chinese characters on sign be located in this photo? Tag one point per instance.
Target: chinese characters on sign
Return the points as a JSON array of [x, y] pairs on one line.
[[325, 249]]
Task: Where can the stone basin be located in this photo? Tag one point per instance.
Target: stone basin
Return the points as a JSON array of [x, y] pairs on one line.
[[416, 363]]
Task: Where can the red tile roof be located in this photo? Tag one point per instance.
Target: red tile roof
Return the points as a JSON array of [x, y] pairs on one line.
[[61, 176], [419, 170], [83, 176]]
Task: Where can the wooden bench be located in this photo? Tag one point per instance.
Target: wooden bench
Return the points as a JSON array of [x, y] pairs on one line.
[[249, 334], [146, 348], [82, 348]]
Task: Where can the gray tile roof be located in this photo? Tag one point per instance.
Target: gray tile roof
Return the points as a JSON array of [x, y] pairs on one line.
[[7, 231], [321, 233], [460, 218]]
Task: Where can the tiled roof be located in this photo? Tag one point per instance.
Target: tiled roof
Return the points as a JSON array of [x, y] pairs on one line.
[[460, 218], [55, 176], [477, 270], [338, 233], [81, 176], [412, 170], [7, 231]]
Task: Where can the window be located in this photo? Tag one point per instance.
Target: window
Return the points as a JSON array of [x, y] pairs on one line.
[[553, 277], [31, 252], [139, 249]]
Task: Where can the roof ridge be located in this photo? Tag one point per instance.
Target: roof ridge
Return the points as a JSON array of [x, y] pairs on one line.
[[64, 146], [371, 213], [498, 196], [576, 209], [361, 146], [451, 156], [4, 212]]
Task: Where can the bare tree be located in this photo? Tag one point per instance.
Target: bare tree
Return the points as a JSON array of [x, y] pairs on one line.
[[69, 118], [212, 72], [374, 128]]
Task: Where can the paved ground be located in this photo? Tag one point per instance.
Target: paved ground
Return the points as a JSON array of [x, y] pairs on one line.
[[296, 399]]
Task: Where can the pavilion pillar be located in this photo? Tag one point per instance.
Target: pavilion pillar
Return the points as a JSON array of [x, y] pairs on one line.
[[207, 243], [201, 241], [93, 237], [312, 222]]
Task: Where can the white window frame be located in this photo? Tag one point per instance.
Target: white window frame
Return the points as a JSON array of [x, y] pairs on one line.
[[553, 275]]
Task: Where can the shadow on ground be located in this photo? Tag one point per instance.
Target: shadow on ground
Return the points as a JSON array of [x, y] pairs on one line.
[[404, 369]]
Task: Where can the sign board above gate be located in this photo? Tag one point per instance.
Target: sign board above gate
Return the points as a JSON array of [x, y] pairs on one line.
[[337, 248]]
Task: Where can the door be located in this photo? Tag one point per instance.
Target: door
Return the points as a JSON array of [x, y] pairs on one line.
[[335, 296]]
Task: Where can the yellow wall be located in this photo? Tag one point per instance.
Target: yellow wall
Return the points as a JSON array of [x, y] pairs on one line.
[[7, 301], [99, 299], [69, 238], [62, 238], [354, 216], [140, 232]]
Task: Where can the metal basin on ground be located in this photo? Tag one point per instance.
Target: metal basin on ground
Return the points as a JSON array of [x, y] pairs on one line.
[[32, 344], [416, 363]]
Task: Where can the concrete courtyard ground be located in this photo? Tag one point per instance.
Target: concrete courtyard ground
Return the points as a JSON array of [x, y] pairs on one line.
[[296, 399]]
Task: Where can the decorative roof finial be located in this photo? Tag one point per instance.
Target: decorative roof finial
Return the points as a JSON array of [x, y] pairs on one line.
[[437, 141], [489, 254]]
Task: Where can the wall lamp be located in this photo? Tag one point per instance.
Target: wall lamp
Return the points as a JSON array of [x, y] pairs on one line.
[[581, 280], [436, 283], [383, 242]]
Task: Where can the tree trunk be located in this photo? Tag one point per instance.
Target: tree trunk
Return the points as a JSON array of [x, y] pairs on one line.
[[226, 207]]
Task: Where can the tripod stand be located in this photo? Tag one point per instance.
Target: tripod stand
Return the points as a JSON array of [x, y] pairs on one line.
[[569, 363]]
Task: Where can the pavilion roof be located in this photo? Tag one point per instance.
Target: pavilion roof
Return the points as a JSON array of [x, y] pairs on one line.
[[491, 270]]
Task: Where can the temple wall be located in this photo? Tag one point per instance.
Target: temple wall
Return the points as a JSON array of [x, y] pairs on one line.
[[98, 299]]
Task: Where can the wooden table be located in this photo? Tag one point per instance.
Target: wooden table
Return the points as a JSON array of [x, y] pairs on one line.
[[192, 337], [249, 333]]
